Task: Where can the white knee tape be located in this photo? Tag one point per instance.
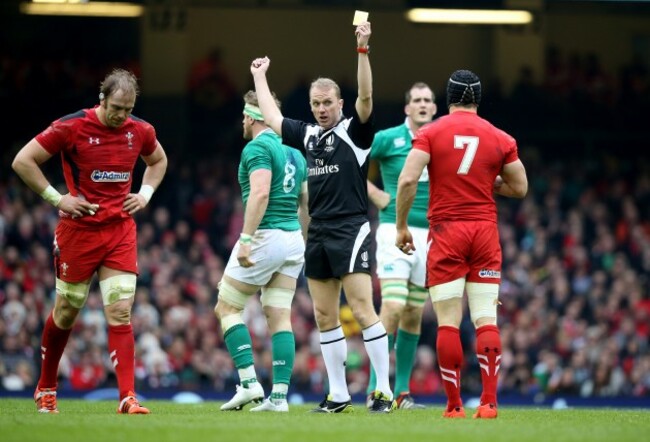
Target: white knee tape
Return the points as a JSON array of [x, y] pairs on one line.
[[448, 290], [118, 287], [75, 293], [276, 297], [483, 300], [228, 322], [232, 296]]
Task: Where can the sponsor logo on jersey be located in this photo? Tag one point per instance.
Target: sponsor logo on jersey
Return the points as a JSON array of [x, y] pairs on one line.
[[488, 273], [399, 142], [109, 176], [322, 168]]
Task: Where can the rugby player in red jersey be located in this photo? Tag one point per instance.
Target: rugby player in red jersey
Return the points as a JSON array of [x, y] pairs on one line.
[[96, 232], [468, 160]]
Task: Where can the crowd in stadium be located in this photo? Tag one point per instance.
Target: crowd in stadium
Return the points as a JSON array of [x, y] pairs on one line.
[[575, 313]]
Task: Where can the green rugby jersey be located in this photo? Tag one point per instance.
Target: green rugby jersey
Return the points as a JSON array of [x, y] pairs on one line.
[[289, 171], [390, 149]]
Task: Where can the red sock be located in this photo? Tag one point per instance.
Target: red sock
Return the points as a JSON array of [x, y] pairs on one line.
[[121, 348], [53, 343], [488, 352], [450, 361]]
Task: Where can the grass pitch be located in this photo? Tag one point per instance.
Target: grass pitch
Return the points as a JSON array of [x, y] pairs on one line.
[[86, 421]]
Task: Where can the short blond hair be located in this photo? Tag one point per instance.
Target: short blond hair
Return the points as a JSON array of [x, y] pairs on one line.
[[325, 83]]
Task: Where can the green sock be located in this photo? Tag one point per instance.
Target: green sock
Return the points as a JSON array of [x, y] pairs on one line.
[[372, 381], [407, 345], [240, 346], [284, 354]]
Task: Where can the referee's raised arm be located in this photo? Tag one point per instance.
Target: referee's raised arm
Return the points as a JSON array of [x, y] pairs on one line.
[[363, 104], [272, 115]]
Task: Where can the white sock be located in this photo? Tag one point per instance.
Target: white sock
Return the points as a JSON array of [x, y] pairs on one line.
[[376, 343], [279, 393], [247, 374], [335, 352]]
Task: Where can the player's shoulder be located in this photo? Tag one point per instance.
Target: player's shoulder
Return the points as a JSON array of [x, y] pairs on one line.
[[392, 132], [140, 122], [75, 116]]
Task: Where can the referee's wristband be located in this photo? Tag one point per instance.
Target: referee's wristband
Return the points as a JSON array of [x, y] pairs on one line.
[[51, 195], [146, 191], [245, 239]]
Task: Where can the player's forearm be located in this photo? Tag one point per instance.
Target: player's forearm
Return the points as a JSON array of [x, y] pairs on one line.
[[29, 171], [364, 80], [154, 173], [272, 115], [405, 196], [376, 195], [255, 210]]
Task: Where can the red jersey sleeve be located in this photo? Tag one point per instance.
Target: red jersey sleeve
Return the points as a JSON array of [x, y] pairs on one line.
[[57, 137], [510, 151], [149, 137], [421, 139]]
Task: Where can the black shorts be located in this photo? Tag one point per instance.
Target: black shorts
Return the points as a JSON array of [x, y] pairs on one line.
[[338, 247]]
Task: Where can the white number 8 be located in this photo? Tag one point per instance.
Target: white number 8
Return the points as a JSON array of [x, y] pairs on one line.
[[289, 182], [471, 144]]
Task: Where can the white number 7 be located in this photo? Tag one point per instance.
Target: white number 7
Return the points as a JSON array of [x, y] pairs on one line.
[[471, 143]]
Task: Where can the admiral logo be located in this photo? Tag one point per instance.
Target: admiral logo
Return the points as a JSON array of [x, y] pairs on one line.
[[487, 273], [108, 176]]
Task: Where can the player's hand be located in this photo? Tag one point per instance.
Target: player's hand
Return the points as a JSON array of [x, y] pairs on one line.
[[260, 65], [404, 241], [77, 207], [133, 203], [363, 34], [243, 255]]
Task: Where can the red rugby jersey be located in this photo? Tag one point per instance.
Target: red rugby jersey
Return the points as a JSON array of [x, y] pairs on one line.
[[98, 161], [467, 153]]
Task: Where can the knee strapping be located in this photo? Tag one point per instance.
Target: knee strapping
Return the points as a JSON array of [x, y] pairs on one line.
[[277, 297], [229, 321], [118, 287], [75, 293], [232, 296], [395, 291], [483, 300], [448, 290]]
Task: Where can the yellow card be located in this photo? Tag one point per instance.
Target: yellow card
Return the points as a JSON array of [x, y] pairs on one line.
[[359, 17]]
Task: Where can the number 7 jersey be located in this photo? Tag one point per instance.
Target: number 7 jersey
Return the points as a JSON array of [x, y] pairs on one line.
[[467, 153]]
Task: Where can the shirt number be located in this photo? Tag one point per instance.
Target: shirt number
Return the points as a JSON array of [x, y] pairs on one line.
[[289, 182], [470, 144]]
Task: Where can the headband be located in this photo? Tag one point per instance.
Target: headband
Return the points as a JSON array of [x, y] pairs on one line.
[[254, 112]]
